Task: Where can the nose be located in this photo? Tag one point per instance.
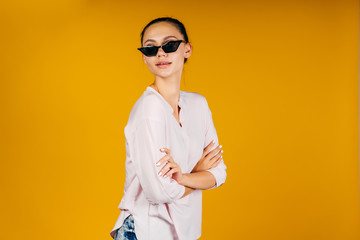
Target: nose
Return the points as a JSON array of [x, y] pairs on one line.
[[161, 52]]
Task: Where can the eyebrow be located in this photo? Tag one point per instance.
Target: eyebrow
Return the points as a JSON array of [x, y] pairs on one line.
[[152, 40]]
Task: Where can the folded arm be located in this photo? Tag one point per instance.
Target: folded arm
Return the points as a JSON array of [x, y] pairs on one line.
[[148, 138], [212, 177]]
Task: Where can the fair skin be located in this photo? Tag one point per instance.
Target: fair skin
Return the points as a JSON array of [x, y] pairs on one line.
[[167, 83]]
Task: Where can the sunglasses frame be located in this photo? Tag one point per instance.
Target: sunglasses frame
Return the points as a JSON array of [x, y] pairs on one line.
[[141, 49]]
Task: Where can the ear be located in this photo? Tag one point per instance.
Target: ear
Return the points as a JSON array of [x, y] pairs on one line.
[[188, 50]]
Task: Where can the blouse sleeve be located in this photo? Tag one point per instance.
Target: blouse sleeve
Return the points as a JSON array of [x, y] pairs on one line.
[[219, 171], [148, 139]]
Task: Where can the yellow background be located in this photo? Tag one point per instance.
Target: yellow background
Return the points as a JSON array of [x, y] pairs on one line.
[[281, 79]]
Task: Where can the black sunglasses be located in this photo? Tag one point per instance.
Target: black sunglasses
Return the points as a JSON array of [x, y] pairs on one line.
[[168, 47]]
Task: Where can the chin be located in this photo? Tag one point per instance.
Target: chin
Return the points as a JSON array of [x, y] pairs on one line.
[[164, 75]]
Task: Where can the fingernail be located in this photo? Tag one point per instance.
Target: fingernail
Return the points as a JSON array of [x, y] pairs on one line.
[[161, 149], [222, 151], [159, 173], [220, 146], [157, 164], [213, 141]]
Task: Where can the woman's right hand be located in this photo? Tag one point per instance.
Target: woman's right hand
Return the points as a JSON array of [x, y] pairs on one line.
[[170, 168], [209, 159]]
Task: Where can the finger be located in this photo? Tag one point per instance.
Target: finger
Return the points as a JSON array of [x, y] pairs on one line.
[[214, 159], [165, 150], [208, 147], [163, 159], [165, 168], [172, 171], [215, 151], [216, 162], [217, 154], [211, 143]]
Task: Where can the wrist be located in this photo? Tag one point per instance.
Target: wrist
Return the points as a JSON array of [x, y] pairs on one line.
[[184, 179]]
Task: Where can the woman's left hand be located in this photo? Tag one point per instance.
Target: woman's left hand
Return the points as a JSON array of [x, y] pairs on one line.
[[171, 165]]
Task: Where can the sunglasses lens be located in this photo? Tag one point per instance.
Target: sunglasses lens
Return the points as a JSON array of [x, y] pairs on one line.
[[149, 51], [171, 46]]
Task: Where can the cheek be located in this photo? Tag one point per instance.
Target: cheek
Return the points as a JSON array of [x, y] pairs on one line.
[[151, 63], [178, 57], [181, 52]]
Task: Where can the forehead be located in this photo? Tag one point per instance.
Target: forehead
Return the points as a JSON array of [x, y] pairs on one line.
[[158, 31]]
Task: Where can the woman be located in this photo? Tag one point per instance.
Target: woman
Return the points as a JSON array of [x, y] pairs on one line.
[[172, 149]]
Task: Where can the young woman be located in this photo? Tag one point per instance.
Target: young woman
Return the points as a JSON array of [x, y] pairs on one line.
[[172, 149]]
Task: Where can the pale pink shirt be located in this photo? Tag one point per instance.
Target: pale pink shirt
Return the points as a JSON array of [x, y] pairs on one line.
[[155, 202]]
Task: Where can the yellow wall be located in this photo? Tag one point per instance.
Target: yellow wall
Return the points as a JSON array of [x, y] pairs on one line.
[[281, 78]]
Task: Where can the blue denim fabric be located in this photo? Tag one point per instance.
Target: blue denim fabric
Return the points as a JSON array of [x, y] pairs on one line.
[[127, 230]]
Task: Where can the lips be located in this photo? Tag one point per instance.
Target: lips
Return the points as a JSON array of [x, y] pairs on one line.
[[163, 63]]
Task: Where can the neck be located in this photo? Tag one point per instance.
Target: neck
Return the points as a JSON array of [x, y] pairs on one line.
[[169, 88]]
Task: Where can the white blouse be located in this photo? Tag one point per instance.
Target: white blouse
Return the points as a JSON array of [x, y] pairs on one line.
[[155, 202]]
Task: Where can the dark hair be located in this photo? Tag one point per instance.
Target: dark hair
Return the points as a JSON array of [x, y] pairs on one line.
[[174, 21]]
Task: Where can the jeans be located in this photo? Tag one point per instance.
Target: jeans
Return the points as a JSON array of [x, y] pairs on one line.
[[127, 230]]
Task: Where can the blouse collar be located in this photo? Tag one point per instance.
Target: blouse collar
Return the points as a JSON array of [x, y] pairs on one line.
[[180, 102]]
